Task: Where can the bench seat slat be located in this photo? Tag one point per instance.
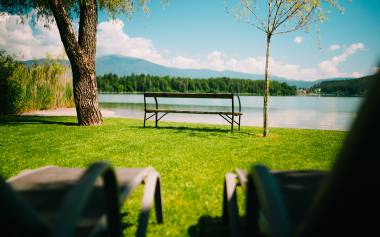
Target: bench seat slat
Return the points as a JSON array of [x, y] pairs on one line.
[[191, 112]]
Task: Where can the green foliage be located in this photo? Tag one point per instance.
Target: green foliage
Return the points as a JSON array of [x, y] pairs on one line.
[[41, 8], [191, 158], [354, 87], [142, 83], [24, 88], [7, 89], [115, 7]]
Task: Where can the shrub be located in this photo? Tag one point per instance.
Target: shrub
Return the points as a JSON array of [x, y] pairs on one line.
[[43, 85]]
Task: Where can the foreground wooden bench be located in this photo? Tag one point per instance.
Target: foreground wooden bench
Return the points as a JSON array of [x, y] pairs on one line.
[[229, 116]]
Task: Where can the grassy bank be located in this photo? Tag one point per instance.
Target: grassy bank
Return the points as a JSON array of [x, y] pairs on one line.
[[192, 159]]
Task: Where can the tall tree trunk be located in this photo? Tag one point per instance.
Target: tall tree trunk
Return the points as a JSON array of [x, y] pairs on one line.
[[266, 82], [86, 96], [85, 88], [81, 54]]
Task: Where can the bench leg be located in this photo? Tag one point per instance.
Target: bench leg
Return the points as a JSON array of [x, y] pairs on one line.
[[232, 124], [156, 119], [239, 121], [144, 118]]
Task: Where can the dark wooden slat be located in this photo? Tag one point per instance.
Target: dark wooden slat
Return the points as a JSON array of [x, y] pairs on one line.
[[190, 95], [191, 112]]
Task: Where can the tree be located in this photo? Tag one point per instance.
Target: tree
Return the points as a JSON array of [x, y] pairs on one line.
[[81, 48], [280, 17]]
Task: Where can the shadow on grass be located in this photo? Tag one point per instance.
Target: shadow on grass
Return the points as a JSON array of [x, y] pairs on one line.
[[208, 226], [125, 221], [25, 119], [200, 129], [189, 129]]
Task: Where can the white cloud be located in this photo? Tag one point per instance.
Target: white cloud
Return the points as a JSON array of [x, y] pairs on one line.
[[334, 47], [329, 68], [183, 62], [298, 40], [356, 74], [28, 43], [216, 61], [20, 39], [111, 39]]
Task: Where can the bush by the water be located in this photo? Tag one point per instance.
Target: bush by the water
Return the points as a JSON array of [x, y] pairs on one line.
[[142, 83], [47, 85]]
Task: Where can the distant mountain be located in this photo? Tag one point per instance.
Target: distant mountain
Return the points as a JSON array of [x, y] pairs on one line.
[[334, 79], [308, 84], [123, 66], [43, 60], [296, 83], [350, 87]]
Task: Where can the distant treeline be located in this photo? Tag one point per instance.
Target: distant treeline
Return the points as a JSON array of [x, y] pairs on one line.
[[142, 83], [33, 87], [353, 87]]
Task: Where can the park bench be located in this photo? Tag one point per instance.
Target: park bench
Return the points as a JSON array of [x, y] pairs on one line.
[[229, 116]]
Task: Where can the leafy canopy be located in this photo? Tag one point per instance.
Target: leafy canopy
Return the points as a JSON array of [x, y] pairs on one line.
[[41, 8]]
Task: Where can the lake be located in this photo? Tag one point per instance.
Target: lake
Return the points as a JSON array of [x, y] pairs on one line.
[[329, 113]]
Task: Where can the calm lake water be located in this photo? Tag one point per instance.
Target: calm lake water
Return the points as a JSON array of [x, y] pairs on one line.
[[331, 113]]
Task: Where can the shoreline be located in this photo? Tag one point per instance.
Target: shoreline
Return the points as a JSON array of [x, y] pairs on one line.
[[177, 118], [244, 94]]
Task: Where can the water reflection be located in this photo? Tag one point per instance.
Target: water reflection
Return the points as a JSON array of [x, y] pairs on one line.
[[331, 113]]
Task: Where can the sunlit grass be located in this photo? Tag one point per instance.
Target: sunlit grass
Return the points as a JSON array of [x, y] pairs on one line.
[[191, 158]]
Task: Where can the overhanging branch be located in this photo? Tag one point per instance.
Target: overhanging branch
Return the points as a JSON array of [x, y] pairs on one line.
[[245, 3], [66, 30]]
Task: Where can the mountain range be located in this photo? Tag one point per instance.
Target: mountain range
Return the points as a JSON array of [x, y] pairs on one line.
[[123, 66]]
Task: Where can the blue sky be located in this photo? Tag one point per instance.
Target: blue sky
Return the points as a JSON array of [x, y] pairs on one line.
[[201, 34]]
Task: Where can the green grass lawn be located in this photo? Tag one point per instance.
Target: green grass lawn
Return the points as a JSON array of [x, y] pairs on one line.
[[191, 158]]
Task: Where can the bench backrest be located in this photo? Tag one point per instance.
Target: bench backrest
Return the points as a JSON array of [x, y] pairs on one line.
[[190, 95]]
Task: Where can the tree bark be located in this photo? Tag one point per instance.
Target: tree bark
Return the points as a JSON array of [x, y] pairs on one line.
[[81, 54], [266, 86]]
